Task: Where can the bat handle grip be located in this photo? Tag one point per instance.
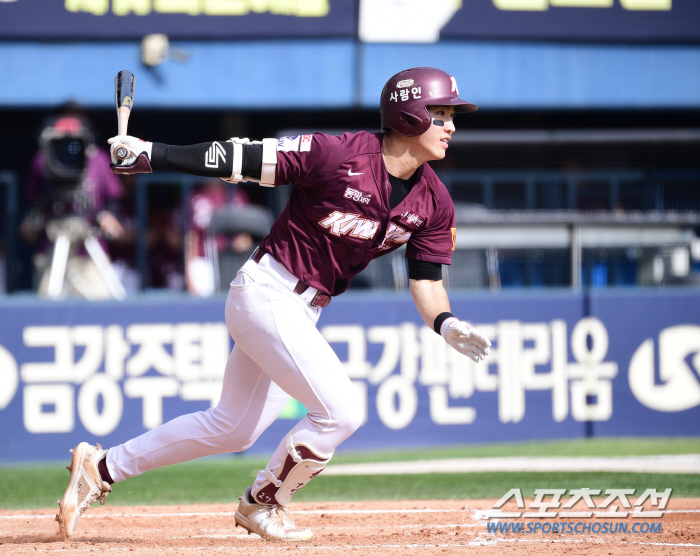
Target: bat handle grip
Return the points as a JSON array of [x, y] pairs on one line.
[[121, 151]]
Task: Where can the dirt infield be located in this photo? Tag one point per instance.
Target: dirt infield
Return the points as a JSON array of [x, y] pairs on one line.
[[377, 527]]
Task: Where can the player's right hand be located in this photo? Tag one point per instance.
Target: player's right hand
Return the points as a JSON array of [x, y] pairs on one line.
[[465, 339], [139, 159]]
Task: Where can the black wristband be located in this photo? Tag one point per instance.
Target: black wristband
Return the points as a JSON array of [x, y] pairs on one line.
[[158, 153], [252, 161], [442, 317]]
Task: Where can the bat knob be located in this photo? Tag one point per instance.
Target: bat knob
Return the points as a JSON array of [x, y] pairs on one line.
[[121, 153]]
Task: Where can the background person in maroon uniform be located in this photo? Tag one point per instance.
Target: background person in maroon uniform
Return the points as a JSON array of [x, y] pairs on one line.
[[355, 197]]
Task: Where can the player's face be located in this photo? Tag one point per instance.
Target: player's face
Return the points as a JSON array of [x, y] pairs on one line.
[[436, 139]]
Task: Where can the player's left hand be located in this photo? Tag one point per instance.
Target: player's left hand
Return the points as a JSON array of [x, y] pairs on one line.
[[139, 159], [465, 339]]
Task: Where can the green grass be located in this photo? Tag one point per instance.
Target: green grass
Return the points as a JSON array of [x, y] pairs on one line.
[[223, 479], [582, 447]]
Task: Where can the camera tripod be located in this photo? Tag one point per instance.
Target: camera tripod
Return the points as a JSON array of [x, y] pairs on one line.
[[92, 278]]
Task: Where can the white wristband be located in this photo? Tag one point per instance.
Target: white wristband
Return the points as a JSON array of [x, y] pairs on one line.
[[236, 174], [269, 162]]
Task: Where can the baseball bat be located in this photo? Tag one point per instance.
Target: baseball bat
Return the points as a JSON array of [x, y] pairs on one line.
[[124, 99]]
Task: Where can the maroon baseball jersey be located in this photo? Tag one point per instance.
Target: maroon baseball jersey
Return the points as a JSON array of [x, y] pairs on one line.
[[338, 217]]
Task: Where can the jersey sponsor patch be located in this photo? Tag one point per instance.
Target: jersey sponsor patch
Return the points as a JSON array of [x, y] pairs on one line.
[[215, 153], [295, 143], [289, 144], [358, 196], [348, 223], [412, 219], [306, 143]]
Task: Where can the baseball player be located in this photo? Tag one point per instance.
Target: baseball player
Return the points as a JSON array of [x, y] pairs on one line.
[[355, 197]]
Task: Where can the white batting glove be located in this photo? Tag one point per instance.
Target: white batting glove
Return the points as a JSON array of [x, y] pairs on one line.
[[139, 159], [465, 339]]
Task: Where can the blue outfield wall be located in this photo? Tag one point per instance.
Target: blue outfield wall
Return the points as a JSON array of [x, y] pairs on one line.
[[342, 73], [563, 365]]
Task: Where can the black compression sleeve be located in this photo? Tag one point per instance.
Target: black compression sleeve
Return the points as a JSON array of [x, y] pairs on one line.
[[203, 159], [206, 159], [424, 270]]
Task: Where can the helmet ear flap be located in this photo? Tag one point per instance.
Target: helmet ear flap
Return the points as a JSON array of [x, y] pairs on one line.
[[413, 124], [410, 120]]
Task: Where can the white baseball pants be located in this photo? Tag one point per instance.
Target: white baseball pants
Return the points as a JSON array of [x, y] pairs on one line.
[[278, 353]]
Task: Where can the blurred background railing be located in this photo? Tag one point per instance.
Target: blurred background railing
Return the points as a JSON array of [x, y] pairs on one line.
[[8, 246], [534, 214]]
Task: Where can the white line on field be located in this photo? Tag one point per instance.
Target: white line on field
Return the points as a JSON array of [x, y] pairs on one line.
[[686, 463], [478, 513], [225, 514]]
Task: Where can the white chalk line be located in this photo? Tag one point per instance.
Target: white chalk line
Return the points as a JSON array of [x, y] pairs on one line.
[[229, 514], [477, 512]]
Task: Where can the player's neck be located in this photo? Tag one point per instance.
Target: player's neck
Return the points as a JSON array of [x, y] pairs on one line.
[[401, 158]]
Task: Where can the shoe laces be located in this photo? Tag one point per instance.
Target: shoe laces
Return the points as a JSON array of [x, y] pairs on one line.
[[92, 498], [103, 496], [282, 516]]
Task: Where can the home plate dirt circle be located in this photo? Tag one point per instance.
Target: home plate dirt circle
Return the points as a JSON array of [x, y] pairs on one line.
[[422, 527]]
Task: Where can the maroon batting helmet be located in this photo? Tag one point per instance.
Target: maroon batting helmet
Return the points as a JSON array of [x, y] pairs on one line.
[[407, 95]]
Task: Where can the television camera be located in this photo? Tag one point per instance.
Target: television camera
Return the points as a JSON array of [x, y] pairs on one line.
[[67, 144]]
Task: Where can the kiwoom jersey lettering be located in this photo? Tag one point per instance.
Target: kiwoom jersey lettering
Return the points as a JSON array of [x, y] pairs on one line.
[[342, 223]]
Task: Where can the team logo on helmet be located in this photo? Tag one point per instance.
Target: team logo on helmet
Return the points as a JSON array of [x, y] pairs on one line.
[[404, 83], [453, 86]]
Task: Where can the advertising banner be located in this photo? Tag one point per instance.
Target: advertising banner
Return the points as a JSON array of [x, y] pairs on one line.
[[562, 366], [557, 20], [577, 20], [371, 20], [179, 19]]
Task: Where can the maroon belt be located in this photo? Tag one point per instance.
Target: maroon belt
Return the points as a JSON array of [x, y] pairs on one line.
[[318, 300]]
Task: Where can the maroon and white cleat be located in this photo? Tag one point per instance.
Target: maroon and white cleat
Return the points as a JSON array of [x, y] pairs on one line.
[[271, 522]]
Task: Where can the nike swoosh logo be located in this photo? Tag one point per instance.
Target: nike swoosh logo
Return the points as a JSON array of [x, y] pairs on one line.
[[351, 173]]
